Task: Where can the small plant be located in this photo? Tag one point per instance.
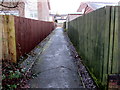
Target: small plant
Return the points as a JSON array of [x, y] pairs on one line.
[[12, 75], [12, 86], [3, 76], [16, 74], [65, 30]]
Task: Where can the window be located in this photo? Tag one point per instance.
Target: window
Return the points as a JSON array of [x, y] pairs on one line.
[[16, 13]]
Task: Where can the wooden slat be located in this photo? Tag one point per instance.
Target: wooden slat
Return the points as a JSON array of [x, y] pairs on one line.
[[119, 40], [12, 39], [8, 38], [5, 50], [116, 61], [111, 46], [101, 30], [106, 45], [1, 30]]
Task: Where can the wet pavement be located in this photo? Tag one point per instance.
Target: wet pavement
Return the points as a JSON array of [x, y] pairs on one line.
[[55, 66]]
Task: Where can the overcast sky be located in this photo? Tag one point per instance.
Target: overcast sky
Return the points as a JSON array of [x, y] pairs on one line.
[[70, 6]]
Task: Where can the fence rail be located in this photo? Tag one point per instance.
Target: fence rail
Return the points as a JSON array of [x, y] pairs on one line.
[[96, 37], [20, 35]]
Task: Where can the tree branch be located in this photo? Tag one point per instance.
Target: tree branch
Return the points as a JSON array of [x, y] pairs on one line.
[[7, 6]]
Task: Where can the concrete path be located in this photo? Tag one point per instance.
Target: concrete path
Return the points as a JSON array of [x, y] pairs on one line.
[[55, 67]]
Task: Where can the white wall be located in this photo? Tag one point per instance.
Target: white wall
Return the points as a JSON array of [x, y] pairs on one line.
[[43, 10]]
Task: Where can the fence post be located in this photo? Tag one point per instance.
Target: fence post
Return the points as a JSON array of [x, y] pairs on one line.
[[9, 41], [1, 29], [116, 60], [4, 50], [106, 45]]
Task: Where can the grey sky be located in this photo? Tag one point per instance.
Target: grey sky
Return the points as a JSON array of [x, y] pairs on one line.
[[69, 6]]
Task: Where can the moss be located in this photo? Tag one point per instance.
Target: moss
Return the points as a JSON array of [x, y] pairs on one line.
[[99, 84], [65, 30]]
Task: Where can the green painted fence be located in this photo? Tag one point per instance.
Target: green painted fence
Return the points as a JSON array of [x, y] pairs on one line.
[[96, 37]]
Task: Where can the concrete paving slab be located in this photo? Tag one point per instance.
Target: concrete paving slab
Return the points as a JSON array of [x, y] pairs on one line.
[[55, 67]]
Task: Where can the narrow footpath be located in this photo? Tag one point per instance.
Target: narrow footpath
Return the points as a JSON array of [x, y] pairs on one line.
[[55, 67]]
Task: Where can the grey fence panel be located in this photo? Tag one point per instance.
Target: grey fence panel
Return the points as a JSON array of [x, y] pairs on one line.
[[96, 38]]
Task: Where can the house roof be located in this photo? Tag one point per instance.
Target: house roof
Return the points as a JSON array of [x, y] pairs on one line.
[[96, 5]]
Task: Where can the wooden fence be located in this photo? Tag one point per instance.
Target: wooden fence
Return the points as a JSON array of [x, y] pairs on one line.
[[18, 35], [96, 37]]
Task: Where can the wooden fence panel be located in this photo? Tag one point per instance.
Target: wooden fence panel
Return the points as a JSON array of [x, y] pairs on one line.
[[20, 35], [30, 34], [96, 38]]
